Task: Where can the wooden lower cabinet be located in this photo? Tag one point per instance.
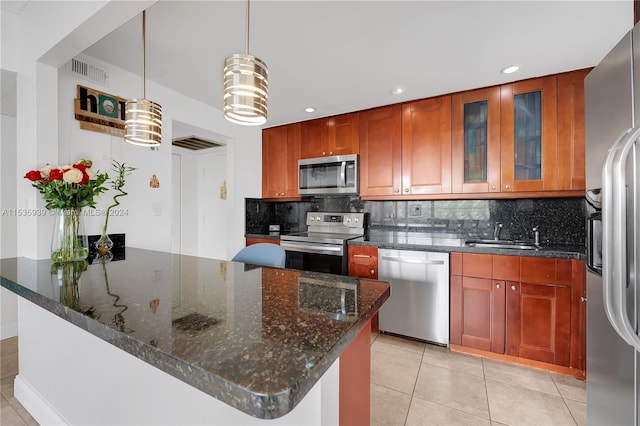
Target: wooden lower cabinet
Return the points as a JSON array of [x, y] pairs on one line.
[[477, 313], [249, 241], [539, 322], [363, 263], [525, 307], [355, 381]]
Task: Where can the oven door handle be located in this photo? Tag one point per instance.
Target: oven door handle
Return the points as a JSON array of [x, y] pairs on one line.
[[312, 248]]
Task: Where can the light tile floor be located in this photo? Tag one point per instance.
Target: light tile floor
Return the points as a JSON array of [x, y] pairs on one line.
[[413, 383], [12, 413]]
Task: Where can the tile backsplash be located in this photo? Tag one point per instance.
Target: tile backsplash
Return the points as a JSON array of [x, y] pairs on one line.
[[559, 220]]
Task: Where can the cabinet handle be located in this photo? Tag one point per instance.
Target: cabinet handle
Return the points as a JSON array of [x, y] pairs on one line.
[[498, 286], [396, 190], [330, 152], [324, 153], [507, 186], [362, 255], [493, 187], [372, 271], [406, 190], [513, 287], [583, 299]]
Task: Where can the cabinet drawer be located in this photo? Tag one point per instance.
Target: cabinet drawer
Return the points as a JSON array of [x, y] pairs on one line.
[[477, 265], [537, 270], [363, 255], [363, 261], [506, 268]]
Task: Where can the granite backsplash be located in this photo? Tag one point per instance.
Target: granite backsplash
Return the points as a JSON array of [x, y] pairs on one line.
[[559, 220]]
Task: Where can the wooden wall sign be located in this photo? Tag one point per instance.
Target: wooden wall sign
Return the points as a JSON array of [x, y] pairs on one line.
[[99, 112]]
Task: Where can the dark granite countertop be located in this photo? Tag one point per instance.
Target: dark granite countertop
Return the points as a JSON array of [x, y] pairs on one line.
[[255, 338], [443, 242]]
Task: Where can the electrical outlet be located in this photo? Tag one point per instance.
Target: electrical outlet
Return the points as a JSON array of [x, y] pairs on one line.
[[415, 210]]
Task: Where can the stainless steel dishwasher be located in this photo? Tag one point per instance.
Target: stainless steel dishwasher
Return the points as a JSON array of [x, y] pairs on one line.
[[419, 302]]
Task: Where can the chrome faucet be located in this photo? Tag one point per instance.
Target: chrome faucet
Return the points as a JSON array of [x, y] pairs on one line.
[[496, 230], [536, 235]]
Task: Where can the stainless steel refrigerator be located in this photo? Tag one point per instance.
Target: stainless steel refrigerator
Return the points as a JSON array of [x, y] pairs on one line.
[[612, 121]]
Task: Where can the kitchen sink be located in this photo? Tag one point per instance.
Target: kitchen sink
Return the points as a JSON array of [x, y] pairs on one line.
[[503, 244]]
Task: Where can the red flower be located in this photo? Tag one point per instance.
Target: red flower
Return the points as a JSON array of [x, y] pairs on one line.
[[55, 174], [80, 167], [33, 175], [85, 178]]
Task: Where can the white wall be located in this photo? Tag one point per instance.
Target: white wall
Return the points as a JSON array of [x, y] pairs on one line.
[[213, 209], [8, 211], [67, 29], [36, 44]]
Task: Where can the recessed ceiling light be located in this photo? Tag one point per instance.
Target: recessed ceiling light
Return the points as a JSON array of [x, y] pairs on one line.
[[510, 69], [309, 109], [397, 91]]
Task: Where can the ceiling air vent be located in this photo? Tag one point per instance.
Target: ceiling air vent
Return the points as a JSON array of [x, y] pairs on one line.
[[86, 71], [194, 143]]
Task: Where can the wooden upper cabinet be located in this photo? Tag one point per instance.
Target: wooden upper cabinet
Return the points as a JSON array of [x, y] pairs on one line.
[[280, 155], [528, 118], [571, 151], [380, 151], [426, 146], [475, 141], [330, 136], [313, 144], [342, 132]]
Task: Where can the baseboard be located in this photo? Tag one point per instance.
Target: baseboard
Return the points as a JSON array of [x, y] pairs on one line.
[[37, 406], [579, 374]]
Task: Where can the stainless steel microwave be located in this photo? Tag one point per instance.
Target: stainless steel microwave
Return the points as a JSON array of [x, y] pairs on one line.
[[328, 175]]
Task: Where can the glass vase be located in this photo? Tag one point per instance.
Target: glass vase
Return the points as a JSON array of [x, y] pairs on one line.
[[69, 242], [66, 276]]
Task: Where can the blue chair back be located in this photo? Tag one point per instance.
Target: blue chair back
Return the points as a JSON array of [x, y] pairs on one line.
[[263, 254]]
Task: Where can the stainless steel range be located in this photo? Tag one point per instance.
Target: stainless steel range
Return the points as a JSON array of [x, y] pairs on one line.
[[323, 248]]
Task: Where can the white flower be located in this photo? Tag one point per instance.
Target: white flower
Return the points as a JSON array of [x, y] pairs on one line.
[[90, 173], [45, 171], [72, 176]]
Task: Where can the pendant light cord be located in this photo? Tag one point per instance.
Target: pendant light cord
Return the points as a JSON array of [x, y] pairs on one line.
[[144, 54], [246, 44]]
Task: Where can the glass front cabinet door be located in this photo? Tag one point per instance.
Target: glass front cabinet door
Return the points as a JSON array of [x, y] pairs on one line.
[[476, 141], [528, 135]]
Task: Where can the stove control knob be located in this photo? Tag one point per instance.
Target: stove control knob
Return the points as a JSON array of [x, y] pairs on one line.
[[318, 218], [355, 219], [347, 219]]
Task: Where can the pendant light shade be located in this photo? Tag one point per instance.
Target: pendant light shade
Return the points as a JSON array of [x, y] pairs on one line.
[[143, 122], [143, 118], [245, 87]]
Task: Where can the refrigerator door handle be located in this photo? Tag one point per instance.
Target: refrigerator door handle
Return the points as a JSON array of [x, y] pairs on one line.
[[610, 246], [619, 225]]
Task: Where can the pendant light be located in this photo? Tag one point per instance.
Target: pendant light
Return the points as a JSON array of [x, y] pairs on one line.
[[143, 118], [245, 87]]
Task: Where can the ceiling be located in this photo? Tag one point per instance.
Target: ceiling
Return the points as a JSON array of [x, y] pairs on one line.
[[341, 56]]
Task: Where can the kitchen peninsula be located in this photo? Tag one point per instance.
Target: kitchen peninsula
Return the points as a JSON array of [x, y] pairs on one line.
[[159, 338]]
